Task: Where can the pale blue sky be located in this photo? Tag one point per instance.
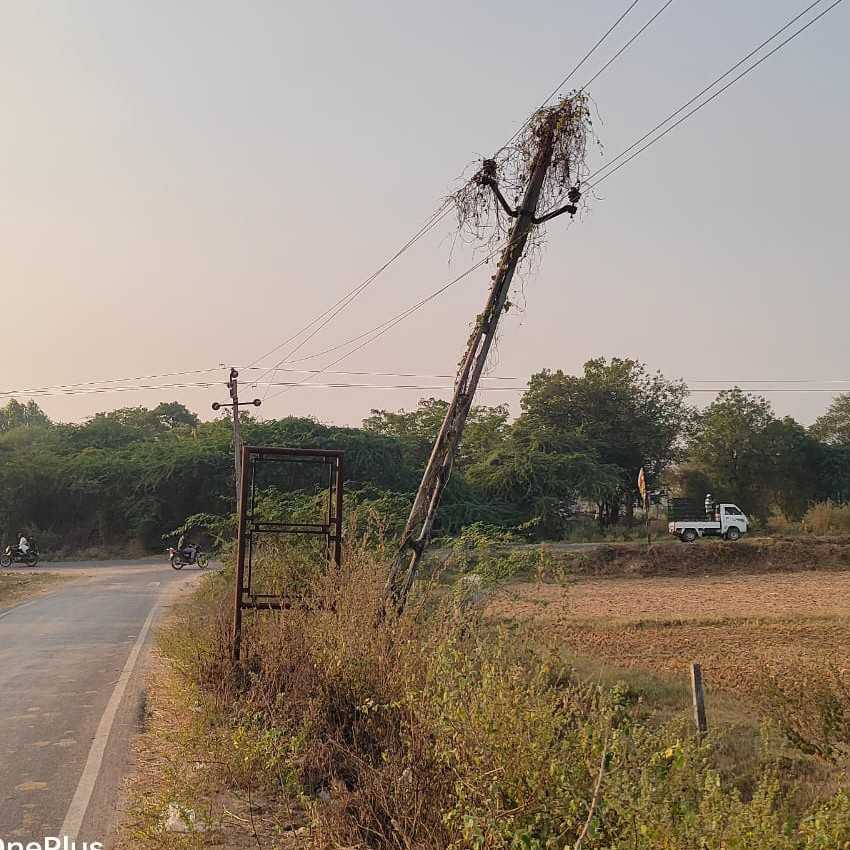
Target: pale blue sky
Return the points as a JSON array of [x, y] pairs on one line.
[[235, 168]]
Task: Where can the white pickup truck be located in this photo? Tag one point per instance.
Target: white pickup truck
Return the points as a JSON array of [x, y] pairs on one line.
[[730, 523]]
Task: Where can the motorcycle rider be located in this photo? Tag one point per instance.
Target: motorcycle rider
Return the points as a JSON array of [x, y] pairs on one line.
[[23, 544], [186, 550]]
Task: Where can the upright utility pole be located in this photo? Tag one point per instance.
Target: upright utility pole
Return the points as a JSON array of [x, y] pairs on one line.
[[233, 386], [417, 532]]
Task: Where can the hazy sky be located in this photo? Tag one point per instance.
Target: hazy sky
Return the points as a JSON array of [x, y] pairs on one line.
[[184, 184]]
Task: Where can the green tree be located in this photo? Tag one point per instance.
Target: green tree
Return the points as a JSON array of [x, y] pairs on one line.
[[731, 444], [542, 476], [173, 414], [833, 427], [417, 429], [797, 466], [17, 415], [627, 416]]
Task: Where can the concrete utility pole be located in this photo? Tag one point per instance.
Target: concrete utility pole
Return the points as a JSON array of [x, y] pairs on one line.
[[233, 386], [417, 532]]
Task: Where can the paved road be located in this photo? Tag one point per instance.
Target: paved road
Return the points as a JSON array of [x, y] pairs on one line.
[[71, 695]]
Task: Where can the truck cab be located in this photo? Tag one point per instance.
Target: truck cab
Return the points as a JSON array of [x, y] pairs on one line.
[[728, 522]]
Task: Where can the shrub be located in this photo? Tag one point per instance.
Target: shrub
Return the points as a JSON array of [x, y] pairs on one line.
[[827, 518], [493, 555], [435, 730]]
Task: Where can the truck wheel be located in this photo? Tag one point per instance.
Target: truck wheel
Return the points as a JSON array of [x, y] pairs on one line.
[[689, 535], [733, 533]]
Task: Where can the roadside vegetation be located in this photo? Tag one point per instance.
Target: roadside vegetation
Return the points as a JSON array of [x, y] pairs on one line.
[[565, 469], [452, 728]]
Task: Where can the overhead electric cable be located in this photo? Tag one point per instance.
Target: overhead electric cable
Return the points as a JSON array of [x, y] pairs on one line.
[[24, 391], [572, 72], [328, 315], [388, 325], [706, 89], [392, 322], [323, 319], [626, 46], [289, 385]]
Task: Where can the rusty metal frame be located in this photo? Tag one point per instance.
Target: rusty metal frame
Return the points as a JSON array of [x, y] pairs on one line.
[[250, 526]]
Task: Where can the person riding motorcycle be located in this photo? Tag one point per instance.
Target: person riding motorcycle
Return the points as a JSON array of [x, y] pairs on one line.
[[187, 550], [24, 551]]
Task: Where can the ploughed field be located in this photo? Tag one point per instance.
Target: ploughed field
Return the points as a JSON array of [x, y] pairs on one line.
[[765, 619]]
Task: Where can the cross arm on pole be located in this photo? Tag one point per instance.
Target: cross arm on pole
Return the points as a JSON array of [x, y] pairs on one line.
[[574, 194], [487, 177], [218, 405]]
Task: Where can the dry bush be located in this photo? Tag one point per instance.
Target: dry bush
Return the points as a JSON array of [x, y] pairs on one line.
[[813, 710], [827, 518], [433, 730]]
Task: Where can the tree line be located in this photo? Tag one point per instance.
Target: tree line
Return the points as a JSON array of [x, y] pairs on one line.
[[133, 475]]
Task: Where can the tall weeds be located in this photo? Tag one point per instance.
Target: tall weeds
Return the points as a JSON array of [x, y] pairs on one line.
[[827, 518], [437, 730]]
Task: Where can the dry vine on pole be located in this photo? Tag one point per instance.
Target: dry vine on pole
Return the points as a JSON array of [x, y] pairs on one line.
[[485, 215]]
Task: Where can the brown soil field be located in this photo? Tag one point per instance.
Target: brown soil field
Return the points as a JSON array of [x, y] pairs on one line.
[[697, 597], [748, 631]]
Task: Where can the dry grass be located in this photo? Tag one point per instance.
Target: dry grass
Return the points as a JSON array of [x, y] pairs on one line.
[[179, 762], [16, 587], [436, 731], [779, 643], [827, 518]]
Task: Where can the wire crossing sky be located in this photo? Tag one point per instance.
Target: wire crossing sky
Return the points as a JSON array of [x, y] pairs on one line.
[[193, 184]]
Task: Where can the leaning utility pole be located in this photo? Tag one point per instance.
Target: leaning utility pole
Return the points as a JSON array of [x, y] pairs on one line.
[[417, 532], [233, 386]]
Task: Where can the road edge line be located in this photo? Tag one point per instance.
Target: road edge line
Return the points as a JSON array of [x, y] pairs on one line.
[[85, 787], [18, 607]]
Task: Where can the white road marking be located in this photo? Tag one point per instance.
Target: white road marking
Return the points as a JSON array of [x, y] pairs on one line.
[[85, 787], [17, 608]]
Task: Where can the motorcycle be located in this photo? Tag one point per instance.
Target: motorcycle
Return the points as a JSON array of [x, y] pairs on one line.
[[13, 555], [189, 555]]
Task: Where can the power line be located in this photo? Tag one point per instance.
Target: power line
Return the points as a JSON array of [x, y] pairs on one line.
[[328, 315], [572, 72], [392, 322], [383, 374], [767, 380], [705, 90], [97, 386], [721, 385], [626, 46], [388, 325], [324, 318], [289, 385], [25, 391]]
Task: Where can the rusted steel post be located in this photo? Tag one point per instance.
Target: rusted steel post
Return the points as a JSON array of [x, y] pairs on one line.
[[338, 513]]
